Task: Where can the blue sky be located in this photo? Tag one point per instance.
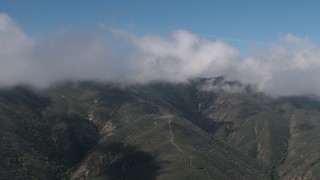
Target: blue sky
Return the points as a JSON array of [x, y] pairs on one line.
[[248, 20]]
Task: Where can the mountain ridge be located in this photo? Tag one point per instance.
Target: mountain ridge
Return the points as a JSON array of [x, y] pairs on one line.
[[100, 131]]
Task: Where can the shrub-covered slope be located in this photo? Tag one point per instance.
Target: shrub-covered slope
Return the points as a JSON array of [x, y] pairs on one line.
[[203, 129]]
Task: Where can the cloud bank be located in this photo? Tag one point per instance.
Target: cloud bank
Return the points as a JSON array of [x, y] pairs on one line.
[[290, 66]]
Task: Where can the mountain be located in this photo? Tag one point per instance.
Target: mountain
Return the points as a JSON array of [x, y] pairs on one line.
[[207, 128]]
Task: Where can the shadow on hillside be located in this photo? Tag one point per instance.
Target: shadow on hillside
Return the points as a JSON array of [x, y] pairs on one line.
[[127, 162]]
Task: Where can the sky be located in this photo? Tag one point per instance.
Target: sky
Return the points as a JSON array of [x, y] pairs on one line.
[[246, 24], [272, 44]]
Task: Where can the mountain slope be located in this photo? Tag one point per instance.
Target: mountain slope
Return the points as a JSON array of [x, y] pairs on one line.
[[204, 129]]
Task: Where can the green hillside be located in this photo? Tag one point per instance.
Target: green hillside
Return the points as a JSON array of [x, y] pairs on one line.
[[159, 131]]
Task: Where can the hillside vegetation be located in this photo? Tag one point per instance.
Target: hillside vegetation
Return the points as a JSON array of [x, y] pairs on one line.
[[207, 128]]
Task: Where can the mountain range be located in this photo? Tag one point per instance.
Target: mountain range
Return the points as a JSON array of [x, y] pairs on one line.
[[206, 128]]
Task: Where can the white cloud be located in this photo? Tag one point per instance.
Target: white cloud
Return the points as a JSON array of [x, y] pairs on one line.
[[182, 56], [290, 66], [290, 38], [14, 45]]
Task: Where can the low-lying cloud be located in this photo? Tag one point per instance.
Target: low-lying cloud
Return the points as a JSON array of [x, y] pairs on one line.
[[290, 66]]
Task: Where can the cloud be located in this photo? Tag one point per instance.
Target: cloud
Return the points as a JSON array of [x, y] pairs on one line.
[[181, 56], [41, 61], [126, 58], [14, 45], [290, 38], [290, 69], [290, 66]]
